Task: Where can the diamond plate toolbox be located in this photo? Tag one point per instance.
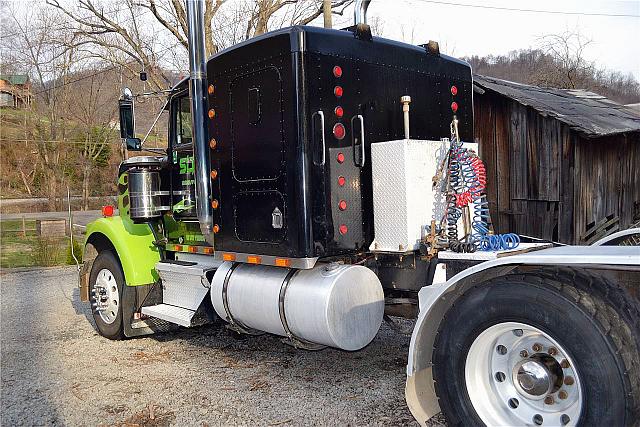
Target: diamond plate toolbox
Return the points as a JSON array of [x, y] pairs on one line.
[[182, 285], [403, 199]]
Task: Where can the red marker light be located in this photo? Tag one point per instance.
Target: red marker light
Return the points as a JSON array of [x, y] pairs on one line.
[[339, 131], [107, 211], [454, 90], [342, 205], [337, 71], [343, 229], [454, 106], [339, 111], [338, 92], [340, 158], [341, 181]]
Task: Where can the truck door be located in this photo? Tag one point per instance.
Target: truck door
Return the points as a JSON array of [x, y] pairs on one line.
[[258, 139], [183, 170]]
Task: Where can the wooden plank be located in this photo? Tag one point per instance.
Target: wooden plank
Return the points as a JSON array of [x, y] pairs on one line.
[[484, 125], [567, 187], [534, 159], [518, 144], [503, 164], [555, 148]]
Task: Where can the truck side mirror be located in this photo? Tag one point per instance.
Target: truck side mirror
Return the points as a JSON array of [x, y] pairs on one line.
[[127, 124]]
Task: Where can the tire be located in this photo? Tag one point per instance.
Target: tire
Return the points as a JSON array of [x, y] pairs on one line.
[[107, 276], [592, 325]]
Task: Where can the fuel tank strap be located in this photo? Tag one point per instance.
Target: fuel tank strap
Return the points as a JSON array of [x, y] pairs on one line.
[[293, 340], [234, 324]]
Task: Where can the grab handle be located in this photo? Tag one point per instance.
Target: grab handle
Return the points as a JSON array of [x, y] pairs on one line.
[[354, 140], [319, 155]]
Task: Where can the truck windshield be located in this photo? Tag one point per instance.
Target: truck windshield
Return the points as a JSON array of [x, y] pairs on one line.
[[183, 121]]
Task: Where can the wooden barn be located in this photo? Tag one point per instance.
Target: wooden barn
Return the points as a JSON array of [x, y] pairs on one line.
[[562, 165]]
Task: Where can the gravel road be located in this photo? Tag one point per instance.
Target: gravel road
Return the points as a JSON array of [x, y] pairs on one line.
[[56, 370]]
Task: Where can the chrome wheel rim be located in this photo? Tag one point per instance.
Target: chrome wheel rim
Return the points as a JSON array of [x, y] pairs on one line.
[[517, 374], [105, 296]]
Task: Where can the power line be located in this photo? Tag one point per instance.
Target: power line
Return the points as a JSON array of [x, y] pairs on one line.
[[553, 12]]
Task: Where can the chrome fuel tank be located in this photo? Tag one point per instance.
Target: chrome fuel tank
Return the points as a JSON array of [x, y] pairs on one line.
[[334, 305], [145, 195]]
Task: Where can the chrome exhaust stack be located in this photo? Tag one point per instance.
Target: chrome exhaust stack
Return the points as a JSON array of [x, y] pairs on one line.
[[197, 84], [360, 12]]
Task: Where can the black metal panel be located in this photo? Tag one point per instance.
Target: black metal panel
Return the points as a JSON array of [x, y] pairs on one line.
[[256, 150], [267, 211], [256, 124], [268, 95]]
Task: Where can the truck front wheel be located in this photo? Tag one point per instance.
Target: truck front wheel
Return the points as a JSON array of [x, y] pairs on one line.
[[105, 285], [540, 350]]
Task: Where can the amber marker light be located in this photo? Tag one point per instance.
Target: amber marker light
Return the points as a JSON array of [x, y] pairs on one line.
[[228, 257], [208, 251], [214, 174], [212, 113], [215, 204], [216, 228], [211, 89], [254, 259], [213, 143], [283, 262], [193, 249]]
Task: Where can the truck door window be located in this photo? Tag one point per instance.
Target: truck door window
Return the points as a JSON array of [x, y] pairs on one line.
[[183, 121]]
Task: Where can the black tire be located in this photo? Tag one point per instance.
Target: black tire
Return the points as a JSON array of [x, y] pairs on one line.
[[107, 260], [597, 322]]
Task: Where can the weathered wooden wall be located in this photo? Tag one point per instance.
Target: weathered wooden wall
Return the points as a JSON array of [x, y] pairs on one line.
[[548, 181], [607, 186]]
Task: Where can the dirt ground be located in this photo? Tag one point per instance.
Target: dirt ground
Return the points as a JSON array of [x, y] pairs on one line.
[[56, 370]]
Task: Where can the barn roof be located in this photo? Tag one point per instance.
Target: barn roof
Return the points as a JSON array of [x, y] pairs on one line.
[[15, 79], [584, 111]]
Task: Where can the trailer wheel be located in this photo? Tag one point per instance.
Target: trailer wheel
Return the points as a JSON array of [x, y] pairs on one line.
[[557, 350], [106, 283]]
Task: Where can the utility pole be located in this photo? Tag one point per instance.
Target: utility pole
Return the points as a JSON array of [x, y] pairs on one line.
[[326, 12]]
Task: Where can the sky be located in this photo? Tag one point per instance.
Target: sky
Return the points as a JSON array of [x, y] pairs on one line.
[[465, 31]]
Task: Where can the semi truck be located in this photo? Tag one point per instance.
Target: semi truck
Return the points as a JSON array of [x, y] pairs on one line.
[[318, 181]]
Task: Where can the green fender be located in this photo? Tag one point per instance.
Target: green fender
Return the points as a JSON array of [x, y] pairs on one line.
[[134, 246]]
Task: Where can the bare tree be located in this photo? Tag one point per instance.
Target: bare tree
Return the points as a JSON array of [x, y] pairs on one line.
[[568, 66], [94, 126], [127, 35], [34, 45]]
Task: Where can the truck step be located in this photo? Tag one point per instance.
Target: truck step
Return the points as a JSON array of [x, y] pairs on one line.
[[178, 315]]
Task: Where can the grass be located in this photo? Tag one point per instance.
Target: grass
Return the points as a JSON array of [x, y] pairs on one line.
[[17, 250]]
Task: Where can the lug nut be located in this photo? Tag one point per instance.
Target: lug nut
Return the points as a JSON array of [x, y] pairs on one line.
[[537, 347], [524, 353], [564, 364], [568, 381], [562, 394], [549, 400], [553, 351]]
